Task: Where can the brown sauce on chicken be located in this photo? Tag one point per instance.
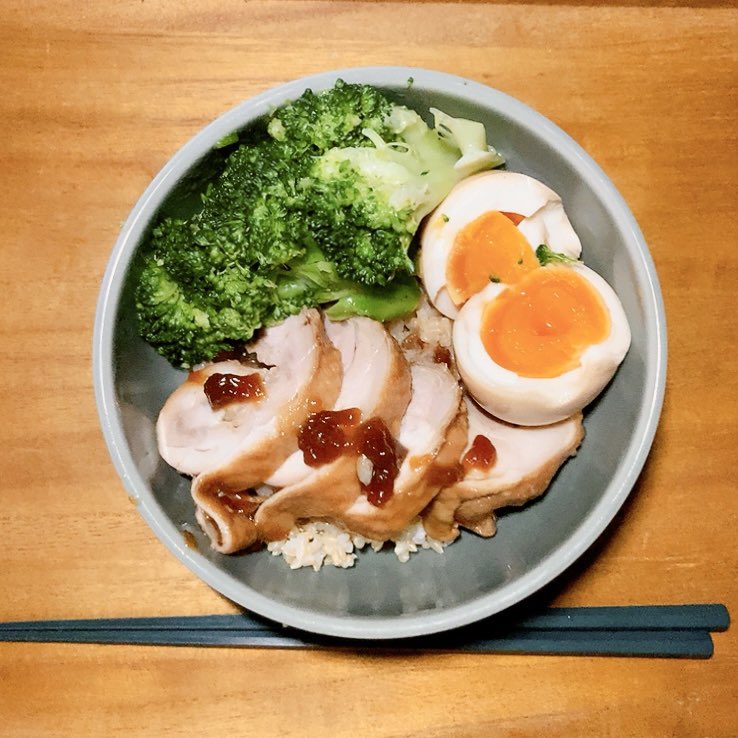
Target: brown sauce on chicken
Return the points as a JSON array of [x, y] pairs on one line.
[[326, 435], [442, 475], [242, 503], [441, 355], [374, 441], [329, 434], [239, 352], [419, 462], [481, 454], [224, 389]]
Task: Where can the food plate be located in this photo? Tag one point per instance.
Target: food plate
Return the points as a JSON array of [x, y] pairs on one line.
[[381, 598]]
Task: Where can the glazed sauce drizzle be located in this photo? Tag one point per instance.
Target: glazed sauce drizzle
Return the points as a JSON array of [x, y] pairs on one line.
[[443, 475], [326, 435], [374, 440], [223, 389], [441, 355], [329, 434], [245, 502], [481, 454], [239, 352]]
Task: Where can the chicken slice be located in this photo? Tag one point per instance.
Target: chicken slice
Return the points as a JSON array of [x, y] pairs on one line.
[[371, 361], [432, 431], [191, 436], [231, 450], [377, 382], [525, 462]]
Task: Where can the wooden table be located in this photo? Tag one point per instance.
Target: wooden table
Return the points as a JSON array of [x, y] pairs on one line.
[[95, 98]]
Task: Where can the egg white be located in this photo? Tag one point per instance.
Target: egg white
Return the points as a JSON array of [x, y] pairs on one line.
[[545, 222], [532, 400]]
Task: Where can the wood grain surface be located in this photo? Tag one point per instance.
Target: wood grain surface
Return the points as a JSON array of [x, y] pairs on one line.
[[95, 98]]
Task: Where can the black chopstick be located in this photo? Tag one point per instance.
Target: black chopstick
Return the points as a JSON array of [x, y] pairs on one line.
[[662, 644], [709, 617], [650, 630]]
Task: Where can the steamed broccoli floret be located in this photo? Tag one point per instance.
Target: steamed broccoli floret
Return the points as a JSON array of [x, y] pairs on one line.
[[188, 326], [397, 299], [251, 214], [374, 197], [313, 280], [318, 209], [315, 123]]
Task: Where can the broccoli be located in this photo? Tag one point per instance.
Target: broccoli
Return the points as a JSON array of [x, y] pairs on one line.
[[188, 326], [315, 280], [319, 207], [315, 123], [374, 197], [546, 256]]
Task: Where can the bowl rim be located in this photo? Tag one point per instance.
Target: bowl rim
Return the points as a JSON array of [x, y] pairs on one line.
[[413, 624]]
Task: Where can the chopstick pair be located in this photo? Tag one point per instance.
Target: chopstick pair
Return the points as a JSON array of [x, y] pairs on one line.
[[676, 631]]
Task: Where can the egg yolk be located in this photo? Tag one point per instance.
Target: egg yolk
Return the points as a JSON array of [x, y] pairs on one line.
[[541, 326], [489, 248]]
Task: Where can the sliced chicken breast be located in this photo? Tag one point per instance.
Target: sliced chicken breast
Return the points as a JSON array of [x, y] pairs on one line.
[[192, 437], [232, 449], [228, 519], [432, 433], [303, 374], [525, 461], [376, 382], [371, 362]]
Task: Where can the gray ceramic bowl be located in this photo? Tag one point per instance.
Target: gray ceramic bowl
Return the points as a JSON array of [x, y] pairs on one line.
[[474, 578]]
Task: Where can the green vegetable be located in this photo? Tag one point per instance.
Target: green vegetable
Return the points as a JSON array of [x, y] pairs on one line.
[[227, 140], [396, 300], [187, 324], [319, 207], [313, 280], [374, 196], [546, 256]]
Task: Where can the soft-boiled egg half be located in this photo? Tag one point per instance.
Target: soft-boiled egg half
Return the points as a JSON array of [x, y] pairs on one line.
[[488, 228], [539, 350], [534, 344]]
